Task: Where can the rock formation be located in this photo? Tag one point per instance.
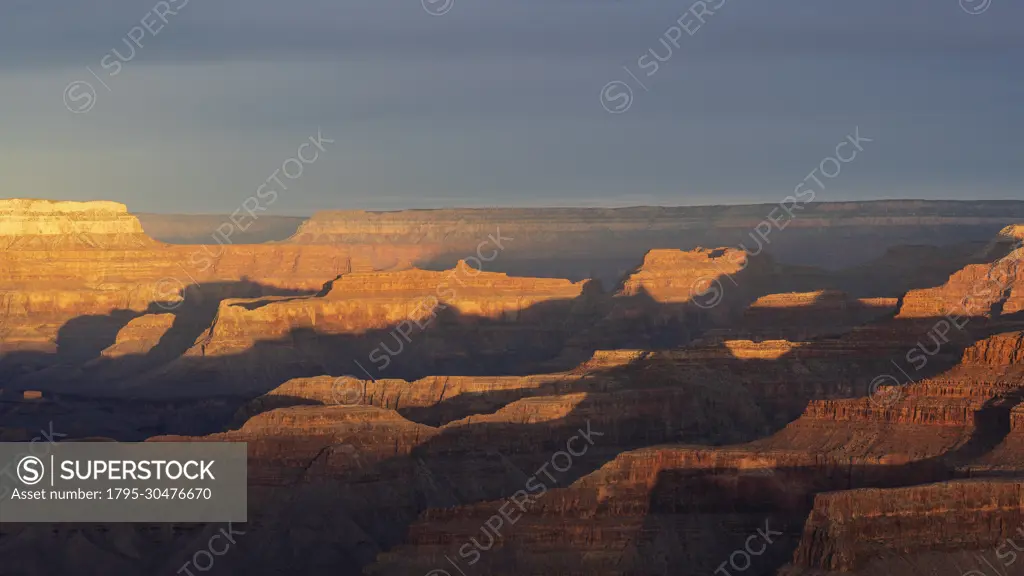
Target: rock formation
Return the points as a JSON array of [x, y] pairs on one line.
[[914, 530], [140, 335], [715, 411], [73, 274], [386, 323], [988, 290], [48, 225]]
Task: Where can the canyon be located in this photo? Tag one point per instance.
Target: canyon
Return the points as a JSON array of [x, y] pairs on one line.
[[636, 391], [560, 242]]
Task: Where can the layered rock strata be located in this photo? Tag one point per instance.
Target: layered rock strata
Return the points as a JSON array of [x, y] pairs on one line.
[[686, 509], [813, 446], [991, 290], [441, 399], [375, 325], [73, 274], [49, 225], [969, 524]]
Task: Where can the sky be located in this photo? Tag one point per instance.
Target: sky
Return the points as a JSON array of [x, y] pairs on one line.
[[445, 103]]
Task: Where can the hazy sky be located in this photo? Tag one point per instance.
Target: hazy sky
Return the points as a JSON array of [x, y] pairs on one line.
[[498, 102]]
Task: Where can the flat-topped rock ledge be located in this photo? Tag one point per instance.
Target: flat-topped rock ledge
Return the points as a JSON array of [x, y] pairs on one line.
[[29, 223]]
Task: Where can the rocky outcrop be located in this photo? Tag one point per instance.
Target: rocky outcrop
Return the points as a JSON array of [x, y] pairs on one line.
[[72, 275], [52, 290], [140, 335], [996, 368], [362, 302], [378, 325], [958, 414], [727, 294], [677, 276], [850, 531], [1012, 234], [1007, 458], [979, 290], [673, 297], [1000, 350], [441, 399], [45, 224]]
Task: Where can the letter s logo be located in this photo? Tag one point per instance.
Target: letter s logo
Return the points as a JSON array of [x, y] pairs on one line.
[[616, 97], [75, 93], [30, 470]]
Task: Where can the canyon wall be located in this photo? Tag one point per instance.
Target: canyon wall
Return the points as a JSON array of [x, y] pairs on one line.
[[74, 274], [869, 531], [42, 224], [393, 414]]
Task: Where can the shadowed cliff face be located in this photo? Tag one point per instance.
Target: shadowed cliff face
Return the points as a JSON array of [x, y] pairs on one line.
[[713, 407], [671, 509], [687, 509]]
